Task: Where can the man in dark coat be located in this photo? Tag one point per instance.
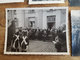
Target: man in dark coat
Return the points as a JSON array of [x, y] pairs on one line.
[[25, 42], [11, 31], [15, 43]]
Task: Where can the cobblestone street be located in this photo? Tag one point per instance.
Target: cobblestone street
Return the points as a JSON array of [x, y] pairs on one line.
[[41, 46]]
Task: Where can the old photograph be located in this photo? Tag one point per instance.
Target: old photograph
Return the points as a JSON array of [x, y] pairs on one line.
[[37, 31], [10, 1], [74, 2], [45, 1], [75, 21]]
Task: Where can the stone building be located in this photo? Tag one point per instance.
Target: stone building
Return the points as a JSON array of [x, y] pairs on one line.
[[37, 18]]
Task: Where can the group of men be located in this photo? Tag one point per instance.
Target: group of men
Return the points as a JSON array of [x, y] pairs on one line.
[[19, 41]]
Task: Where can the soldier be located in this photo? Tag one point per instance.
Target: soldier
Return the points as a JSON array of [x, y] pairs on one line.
[[15, 43], [25, 42]]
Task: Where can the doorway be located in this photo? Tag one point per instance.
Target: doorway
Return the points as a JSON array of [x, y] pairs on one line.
[[32, 22], [51, 22]]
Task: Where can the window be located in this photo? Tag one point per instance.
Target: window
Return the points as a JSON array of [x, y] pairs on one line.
[[31, 11], [51, 18]]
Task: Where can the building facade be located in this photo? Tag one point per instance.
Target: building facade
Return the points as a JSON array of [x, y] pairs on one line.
[[42, 19]]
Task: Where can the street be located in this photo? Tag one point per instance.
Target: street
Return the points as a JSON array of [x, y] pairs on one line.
[[41, 46]]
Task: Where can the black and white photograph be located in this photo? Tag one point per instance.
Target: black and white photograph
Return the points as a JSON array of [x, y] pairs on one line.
[[74, 2], [37, 31], [45, 1]]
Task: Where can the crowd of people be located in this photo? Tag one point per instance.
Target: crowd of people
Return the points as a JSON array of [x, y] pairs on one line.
[[20, 39]]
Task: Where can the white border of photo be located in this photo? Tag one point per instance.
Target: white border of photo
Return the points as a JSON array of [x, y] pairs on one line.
[[45, 2], [10, 1], [39, 53]]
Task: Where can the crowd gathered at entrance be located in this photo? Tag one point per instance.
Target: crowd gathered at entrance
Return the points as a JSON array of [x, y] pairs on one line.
[[19, 41]]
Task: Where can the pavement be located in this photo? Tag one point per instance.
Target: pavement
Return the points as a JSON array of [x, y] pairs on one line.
[[41, 46]]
